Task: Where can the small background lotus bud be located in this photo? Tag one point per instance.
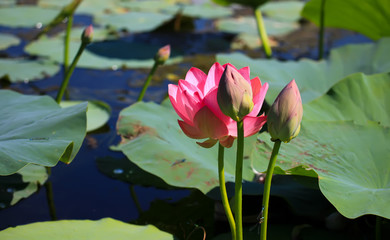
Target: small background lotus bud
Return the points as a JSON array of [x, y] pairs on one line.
[[234, 94], [163, 54], [87, 35], [285, 115]]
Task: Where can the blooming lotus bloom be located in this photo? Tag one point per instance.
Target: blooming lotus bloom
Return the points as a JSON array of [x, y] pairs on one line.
[[195, 101], [285, 115]]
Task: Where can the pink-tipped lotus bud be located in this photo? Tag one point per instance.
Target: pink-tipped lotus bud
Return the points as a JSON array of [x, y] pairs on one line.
[[86, 37], [163, 54], [285, 116], [234, 94]]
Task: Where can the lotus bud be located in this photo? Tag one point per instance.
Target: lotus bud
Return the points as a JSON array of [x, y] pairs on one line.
[[285, 116], [163, 54], [86, 37], [234, 94]]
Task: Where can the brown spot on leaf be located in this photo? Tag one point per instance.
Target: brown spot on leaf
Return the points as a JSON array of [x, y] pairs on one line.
[[137, 130], [190, 172]]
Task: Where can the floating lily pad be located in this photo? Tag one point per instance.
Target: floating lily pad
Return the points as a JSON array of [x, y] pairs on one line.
[[152, 139], [99, 55], [35, 130], [289, 11], [350, 159], [106, 228], [134, 22], [7, 40], [248, 25], [21, 185], [98, 113], [370, 18], [22, 70], [314, 78], [26, 16], [206, 10]]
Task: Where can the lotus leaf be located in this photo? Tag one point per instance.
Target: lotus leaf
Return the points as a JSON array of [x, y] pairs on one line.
[[370, 18], [35, 130], [7, 40], [106, 228], [26, 16]]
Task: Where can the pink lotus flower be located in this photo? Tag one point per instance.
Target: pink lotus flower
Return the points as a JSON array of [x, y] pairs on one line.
[[195, 101]]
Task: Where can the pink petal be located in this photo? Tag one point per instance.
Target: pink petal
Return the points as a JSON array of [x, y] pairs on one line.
[[227, 142], [191, 104], [213, 77], [208, 143], [177, 103], [196, 77], [258, 99], [245, 72], [252, 125], [189, 87], [191, 131], [209, 124], [210, 100]]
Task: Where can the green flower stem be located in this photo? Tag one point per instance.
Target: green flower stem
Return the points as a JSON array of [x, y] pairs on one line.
[[222, 187], [68, 73], [378, 230], [238, 183], [66, 46], [321, 33], [147, 82], [267, 190], [263, 33]]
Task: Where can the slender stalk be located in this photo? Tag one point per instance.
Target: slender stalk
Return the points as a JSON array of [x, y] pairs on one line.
[[267, 190], [49, 196], [263, 33], [66, 46], [321, 33], [135, 198], [222, 187], [147, 82], [378, 228], [68, 74], [238, 183]]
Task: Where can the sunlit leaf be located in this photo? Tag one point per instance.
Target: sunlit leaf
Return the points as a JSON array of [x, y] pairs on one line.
[[370, 18], [103, 229], [314, 78], [7, 40], [98, 113], [284, 10], [26, 16], [35, 129], [21, 70], [21, 185], [351, 159]]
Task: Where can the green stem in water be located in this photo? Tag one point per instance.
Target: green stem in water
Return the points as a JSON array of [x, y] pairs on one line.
[[378, 228], [68, 73], [147, 82], [238, 183], [222, 187], [49, 196], [321, 33], [66, 47], [263, 33], [267, 190]]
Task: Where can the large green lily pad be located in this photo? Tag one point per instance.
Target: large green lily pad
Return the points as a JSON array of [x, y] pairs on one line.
[[289, 11], [26, 16], [36, 130], [98, 113], [106, 228], [98, 55], [22, 70], [21, 185], [370, 18], [7, 40], [314, 78], [351, 159], [152, 139]]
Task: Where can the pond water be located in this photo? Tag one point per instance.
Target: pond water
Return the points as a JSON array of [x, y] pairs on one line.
[[81, 190]]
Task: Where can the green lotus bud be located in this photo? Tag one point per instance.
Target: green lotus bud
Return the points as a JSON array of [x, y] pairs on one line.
[[285, 116], [163, 54], [234, 96], [86, 37]]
